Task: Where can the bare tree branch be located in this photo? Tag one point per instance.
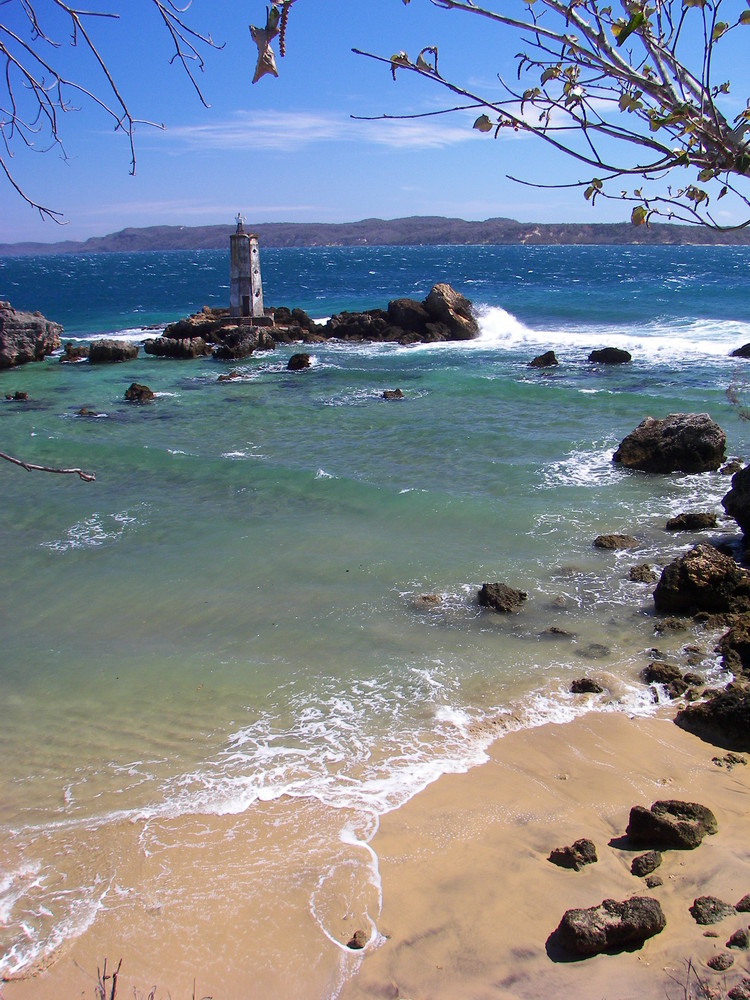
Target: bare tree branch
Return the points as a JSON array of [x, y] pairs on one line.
[[88, 477]]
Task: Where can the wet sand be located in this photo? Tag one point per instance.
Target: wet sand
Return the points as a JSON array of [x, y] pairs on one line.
[[469, 897]]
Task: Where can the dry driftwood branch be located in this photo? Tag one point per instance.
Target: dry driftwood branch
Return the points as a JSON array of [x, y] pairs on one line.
[[87, 477]]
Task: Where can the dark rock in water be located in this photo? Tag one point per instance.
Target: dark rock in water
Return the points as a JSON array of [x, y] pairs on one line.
[[703, 579], [409, 315], [283, 316], [25, 336], [445, 305], [691, 521], [720, 962], [670, 625], [610, 356], [499, 597], [586, 685], [85, 412], [594, 651], [241, 348], [553, 632], [654, 881], [642, 574], [666, 674], [741, 352], [737, 501], [136, 393], [358, 941], [74, 354], [169, 347], [575, 856], [710, 910], [298, 362], [393, 394], [546, 360], [646, 863], [734, 646], [681, 442], [740, 939], [670, 824], [693, 679], [723, 719], [18, 396], [744, 904], [614, 542], [229, 376], [730, 468], [107, 352], [741, 991], [610, 925]]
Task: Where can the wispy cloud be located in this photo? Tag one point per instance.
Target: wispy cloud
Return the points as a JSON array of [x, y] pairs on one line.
[[289, 131]]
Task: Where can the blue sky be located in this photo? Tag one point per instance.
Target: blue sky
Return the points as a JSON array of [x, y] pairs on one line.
[[285, 149]]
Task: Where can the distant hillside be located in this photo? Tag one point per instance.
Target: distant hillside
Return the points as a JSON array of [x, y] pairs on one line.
[[415, 231]]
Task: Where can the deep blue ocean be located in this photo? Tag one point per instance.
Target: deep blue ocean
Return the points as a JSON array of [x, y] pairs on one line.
[[263, 611]]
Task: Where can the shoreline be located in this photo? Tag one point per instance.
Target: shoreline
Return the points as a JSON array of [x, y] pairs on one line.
[[468, 895]]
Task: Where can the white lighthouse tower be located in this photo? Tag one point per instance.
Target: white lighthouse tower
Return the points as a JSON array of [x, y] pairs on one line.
[[245, 287]]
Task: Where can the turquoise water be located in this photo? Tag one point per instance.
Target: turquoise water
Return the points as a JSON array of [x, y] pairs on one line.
[[232, 613]]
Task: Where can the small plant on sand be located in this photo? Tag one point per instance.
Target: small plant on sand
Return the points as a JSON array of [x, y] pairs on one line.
[[692, 986], [106, 986]]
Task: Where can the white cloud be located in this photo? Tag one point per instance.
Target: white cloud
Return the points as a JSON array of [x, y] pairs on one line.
[[289, 131]]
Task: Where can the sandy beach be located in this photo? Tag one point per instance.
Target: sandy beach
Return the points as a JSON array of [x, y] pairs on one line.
[[469, 898]]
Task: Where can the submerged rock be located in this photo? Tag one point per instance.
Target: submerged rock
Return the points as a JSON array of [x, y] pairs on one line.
[[136, 393], [691, 521], [546, 360], [666, 674], [575, 856], [610, 356], [615, 542], [681, 442], [393, 394], [672, 824], [25, 336], [612, 924], [703, 579], [298, 362], [642, 574], [586, 685], [499, 597]]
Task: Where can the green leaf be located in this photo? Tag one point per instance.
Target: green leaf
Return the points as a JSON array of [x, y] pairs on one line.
[[719, 28], [551, 73], [483, 124], [639, 215], [744, 17], [626, 30], [707, 174], [694, 3], [399, 59]]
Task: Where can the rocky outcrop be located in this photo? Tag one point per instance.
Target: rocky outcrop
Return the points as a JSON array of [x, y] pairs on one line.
[[691, 521], [393, 394], [734, 646], [723, 719], [136, 393], [703, 579], [610, 925], [169, 347], [499, 597], [610, 356], [25, 336], [74, 353], [201, 324], [646, 863], [737, 501], [575, 856], [107, 352], [546, 360], [670, 824], [586, 685], [741, 352], [443, 315], [642, 573], [710, 910], [667, 675], [237, 342], [681, 442]]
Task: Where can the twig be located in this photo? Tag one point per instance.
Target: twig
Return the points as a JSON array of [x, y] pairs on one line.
[[88, 477]]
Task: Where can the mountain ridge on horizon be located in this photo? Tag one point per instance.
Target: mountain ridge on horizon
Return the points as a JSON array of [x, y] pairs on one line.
[[408, 231]]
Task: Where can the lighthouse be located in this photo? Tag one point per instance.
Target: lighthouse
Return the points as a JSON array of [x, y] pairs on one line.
[[245, 288]]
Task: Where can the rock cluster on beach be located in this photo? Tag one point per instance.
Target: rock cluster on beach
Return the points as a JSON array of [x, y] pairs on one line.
[[25, 336], [681, 442]]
